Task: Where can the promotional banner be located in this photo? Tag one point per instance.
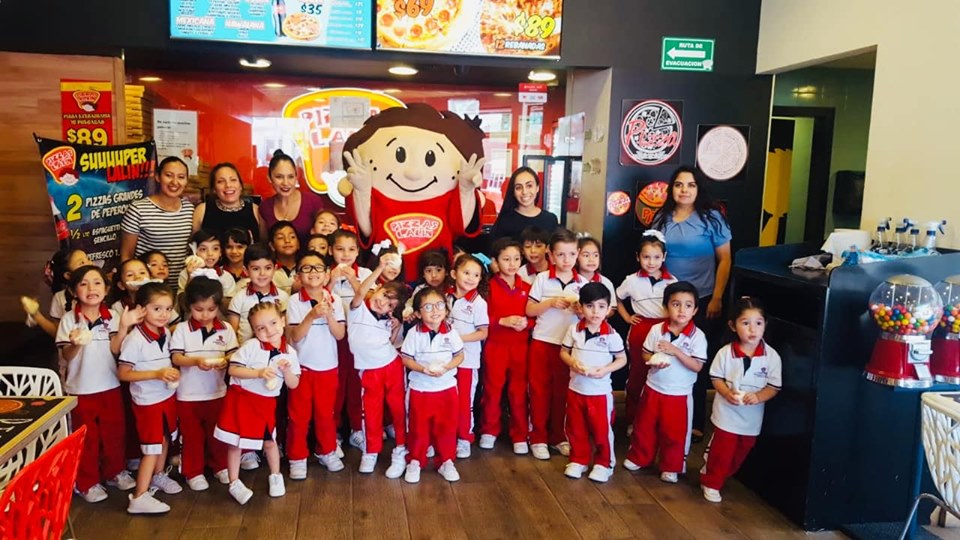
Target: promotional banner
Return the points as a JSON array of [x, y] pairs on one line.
[[87, 110], [90, 188]]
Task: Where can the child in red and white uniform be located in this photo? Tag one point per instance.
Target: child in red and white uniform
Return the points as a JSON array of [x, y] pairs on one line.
[[553, 301], [157, 263], [468, 316], [588, 266], [373, 324], [145, 363], [593, 350], [285, 243], [206, 246], [676, 351], [57, 274], [534, 241], [746, 374], [644, 291], [315, 322], [201, 347], [325, 223], [505, 352], [345, 279], [432, 351], [248, 419], [87, 335], [258, 260], [434, 266], [235, 242]]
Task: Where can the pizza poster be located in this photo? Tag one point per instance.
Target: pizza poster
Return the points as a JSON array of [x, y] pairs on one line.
[[722, 151], [86, 108], [650, 199], [310, 23], [651, 131], [471, 27], [90, 188]]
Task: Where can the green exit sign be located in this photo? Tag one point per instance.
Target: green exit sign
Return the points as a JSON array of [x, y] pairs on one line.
[[687, 54]]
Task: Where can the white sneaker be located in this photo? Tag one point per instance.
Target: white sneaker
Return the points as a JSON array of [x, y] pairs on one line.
[[390, 431], [575, 470], [340, 453], [540, 451], [357, 440], [712, 495], [449, 471], [368, 462], [223, 477], [276, 485], [249, 461], [487, 441], [146, 504], [133, 464], [95, 494], [600, 473], [631, 466], [123, 481], [398, 462], [298, 469], [331, 461], [430, 451], [240, 492], [463, 448], [668, 477], [176, 460], [521, 448], [563, 448], [164, 483], [413, 472], [198, 483]]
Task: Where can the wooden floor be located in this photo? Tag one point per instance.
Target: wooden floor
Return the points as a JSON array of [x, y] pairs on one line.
[[499, 496]]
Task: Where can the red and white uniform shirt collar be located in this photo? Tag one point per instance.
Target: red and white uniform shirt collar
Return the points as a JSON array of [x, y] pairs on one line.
[[737, 352], [282, 348], [252, 291], [194, 325], [105, 314]]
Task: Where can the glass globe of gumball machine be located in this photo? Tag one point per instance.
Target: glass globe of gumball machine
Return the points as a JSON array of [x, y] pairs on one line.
[[945, 361], [907, 309]]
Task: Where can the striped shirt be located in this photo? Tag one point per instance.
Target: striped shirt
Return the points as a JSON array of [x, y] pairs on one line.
[[159, 229]]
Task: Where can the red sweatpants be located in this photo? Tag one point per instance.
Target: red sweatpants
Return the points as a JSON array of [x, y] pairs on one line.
[[662, 423], [637, 376], [433, 419], [103, 448], [379, 386], [132, 444], [348, 388], [505, 365], [467, 379], [312, 398], [198, 419], [590, 416], [549, 378], [726, 453]]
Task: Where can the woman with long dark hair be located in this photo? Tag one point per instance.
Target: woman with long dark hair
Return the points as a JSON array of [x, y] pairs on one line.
[[226, 208], [520, 209], [289, 203]]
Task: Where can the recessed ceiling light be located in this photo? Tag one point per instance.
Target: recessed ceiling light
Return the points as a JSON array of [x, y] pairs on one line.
[[503, 94], [542, 76], [404, 71], [274, 85], [392, 91], [259, 63], [150, 78], [314, 89]]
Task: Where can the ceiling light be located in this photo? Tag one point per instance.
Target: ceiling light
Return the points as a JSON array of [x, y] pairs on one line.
[[259, 63], [404, 71], [274, 85], [392, 91], [503, 94], [150, 78], [314, 89], [542, 76]]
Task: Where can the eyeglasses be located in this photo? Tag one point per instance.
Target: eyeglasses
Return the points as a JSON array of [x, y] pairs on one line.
[[311, 268], [429, 308]]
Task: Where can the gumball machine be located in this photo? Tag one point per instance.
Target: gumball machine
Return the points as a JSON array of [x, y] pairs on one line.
[[945, 361], [907, 309]]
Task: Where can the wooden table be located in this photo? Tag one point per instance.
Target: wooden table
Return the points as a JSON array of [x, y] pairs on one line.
[[29, 426]]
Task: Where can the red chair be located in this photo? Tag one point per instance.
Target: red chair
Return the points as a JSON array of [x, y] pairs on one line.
[[36, 503]]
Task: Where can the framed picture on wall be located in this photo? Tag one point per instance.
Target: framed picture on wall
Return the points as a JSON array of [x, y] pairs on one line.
[[651, 194], [650, 132], [722, 151]]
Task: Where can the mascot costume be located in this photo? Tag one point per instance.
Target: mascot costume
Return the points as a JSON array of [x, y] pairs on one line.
[[413, 177]]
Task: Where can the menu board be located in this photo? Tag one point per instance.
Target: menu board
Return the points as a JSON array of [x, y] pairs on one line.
[[310, 23], [480, 27]]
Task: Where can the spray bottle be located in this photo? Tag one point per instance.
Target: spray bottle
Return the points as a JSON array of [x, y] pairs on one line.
[[900, 230], [879, 245], [930, 246]]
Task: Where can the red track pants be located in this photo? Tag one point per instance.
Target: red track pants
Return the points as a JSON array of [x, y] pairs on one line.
[[348, 388], [103, 447], [505, 366], [590, 416], [637, 377], [379, 386], [313, 398], [662, 423], [198, 419], [433, 419], [549, 378], [467, 379], [726, 453]]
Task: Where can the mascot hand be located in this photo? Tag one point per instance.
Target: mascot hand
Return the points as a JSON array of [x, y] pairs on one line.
[[471, 173], [357, 172], [344, 187]]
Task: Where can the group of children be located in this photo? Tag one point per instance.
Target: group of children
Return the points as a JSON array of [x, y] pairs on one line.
[[272, 337]]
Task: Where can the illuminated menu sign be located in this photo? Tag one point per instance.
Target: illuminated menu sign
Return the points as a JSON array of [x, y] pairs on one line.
[[475, 27], [316, 23]]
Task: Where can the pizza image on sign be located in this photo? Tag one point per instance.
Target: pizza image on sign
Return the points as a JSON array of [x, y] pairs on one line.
[[301, 26], [618, 203], [430, 25], [650, 199], [722, 152], [650, 133]]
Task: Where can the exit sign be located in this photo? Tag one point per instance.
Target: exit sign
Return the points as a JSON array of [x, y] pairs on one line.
[[687, 54]]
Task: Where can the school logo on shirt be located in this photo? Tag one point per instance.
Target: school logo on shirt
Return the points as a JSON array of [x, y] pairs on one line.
[[602, 341], [446, 342], [221, 341], [762, 373], [468, 310]]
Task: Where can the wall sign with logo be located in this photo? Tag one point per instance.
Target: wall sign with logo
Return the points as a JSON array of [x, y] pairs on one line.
[[618, 203], [651, 132], [87, 110], [650, 198], [722, 151]]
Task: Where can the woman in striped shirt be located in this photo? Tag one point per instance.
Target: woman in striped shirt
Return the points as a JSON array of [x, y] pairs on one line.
[[162, 221]]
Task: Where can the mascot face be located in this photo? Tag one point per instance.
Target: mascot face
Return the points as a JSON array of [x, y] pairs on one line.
[[411, 164]]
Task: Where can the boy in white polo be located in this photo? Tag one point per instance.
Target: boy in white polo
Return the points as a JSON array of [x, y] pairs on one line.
[[259, 264]]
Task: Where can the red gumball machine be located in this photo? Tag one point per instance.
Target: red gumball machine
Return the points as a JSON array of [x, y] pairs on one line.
[[907, 309], [945, 361]]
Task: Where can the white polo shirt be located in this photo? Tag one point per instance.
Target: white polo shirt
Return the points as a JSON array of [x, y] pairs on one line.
[[283, 279], [117, 307], [58, 304], [94, 368], [675, 379], [552, 324], [592, 350], [145, 351], [426, 347], [600, 278], [226, 279], [369, 338], [255, 354], [245, 299], [645, 293], [468, 314], [318, 349], [730, 366], [193, 339], [342, 288], [527, 273]]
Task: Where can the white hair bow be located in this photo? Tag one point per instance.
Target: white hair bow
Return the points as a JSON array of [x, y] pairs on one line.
[[656, 234], [377, 248]]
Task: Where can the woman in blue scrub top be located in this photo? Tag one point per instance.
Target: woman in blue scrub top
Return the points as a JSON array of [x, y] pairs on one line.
[[698, 251]]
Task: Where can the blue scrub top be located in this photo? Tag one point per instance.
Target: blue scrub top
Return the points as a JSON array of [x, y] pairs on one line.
[[691, 249]]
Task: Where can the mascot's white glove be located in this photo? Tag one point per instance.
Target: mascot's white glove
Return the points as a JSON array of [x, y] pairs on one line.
[[358, 174], [470, 175]]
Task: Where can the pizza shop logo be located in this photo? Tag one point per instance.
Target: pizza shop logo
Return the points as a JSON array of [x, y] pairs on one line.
[[87, 99], [414, 231], [651, 132]]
